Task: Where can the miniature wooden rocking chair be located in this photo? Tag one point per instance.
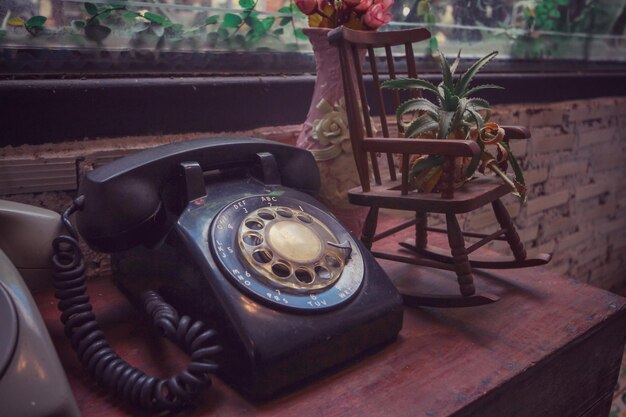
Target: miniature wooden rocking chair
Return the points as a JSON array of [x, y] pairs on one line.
[[394, 193]]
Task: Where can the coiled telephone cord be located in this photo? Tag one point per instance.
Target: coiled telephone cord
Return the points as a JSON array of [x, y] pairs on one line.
[[102, 362]]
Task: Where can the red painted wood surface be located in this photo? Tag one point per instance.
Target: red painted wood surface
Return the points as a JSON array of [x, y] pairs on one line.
[[549, 348]]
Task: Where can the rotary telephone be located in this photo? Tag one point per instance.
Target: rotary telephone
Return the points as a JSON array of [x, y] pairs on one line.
[[227, 231]]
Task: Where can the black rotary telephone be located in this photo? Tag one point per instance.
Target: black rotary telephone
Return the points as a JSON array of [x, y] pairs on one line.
[[228, 232]]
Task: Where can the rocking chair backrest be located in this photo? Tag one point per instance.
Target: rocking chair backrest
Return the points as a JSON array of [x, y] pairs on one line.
[[350, 44]]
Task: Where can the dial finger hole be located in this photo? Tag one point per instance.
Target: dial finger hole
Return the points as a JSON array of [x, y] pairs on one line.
[[266, 215], [332, 261], [323, 273], [281, 269], [304, 218], [304, 276], [284, 213], [254, 224], [262, 256], [252, 239]]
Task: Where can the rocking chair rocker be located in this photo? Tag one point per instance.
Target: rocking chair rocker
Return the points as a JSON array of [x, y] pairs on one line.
[[394, 193]]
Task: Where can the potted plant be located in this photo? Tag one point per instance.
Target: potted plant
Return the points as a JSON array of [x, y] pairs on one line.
[[455, 114]]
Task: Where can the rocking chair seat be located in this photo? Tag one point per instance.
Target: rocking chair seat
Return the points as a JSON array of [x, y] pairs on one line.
[[471, 196]]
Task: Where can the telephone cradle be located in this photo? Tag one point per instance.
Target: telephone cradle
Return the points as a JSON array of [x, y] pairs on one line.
[[227, 231]]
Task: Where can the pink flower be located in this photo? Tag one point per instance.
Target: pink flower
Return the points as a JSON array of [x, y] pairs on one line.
[[363, 5], [307, 7], [386, 4], [376, 16]]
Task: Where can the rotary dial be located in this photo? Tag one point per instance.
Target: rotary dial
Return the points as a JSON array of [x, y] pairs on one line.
[[291, 248]]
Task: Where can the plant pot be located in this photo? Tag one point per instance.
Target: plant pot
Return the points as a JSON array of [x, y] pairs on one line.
[[325, 133], [430, 179]]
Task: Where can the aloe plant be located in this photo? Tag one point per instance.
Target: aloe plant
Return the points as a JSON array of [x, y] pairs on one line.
[[456, 114]]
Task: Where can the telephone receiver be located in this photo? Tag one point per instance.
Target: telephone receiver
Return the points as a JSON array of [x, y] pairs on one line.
[[226, 231]]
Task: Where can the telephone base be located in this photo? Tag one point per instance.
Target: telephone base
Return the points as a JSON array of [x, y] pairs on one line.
[[267, 346]]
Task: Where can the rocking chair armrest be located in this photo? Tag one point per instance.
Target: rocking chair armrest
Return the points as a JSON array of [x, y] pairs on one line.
[[515, 132], [447, 147]]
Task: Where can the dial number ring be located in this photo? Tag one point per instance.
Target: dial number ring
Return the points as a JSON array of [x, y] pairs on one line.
[[330, 276], [291, 248]]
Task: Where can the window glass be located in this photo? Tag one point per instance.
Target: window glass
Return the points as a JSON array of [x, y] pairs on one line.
[[211, 35], [525, 29]]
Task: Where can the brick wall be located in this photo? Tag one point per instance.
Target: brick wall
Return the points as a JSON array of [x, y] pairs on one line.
[[574, 166], [576, 172]]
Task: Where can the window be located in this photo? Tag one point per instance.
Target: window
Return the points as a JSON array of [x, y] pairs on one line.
[[265, 36]]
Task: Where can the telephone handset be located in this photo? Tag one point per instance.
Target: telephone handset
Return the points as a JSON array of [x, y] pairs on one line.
[[227, 230]]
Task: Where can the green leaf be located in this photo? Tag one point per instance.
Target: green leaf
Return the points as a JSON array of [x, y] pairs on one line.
[[299, 34], [130, 16], [482, 87], [445, 70], [279, 31], [97, 32], [16, 21], [285, 9], [104, 15], [176, 28], [252, 21], [231, 20], [418, 104], [445, 123], [455, 64], [35, 21], [478, 119], [430, 161], [467, 77], [423, 7], [284, 21], [421, 125], [459, 114], [247, 4], [155, 18], [478, 103], [211, 20], [433, 43], [78, 24], [450, 101], [268, 22], [91, 8], [411, 84]]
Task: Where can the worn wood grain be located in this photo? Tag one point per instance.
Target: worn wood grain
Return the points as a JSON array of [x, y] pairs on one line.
[[549, 348]]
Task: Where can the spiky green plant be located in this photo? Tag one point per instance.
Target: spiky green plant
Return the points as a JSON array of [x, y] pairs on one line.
[[454, 115]]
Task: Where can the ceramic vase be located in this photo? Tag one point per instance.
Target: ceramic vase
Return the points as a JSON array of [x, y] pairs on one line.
[[325, 134]]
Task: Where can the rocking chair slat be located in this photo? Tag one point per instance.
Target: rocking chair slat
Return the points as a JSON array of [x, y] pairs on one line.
[[381, 105], [482, 242], [394, 229], [466, 234]]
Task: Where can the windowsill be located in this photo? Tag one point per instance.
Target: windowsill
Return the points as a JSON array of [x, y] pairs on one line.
[[70, 109]]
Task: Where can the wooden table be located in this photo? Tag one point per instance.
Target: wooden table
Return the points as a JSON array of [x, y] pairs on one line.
[[551, 347]]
